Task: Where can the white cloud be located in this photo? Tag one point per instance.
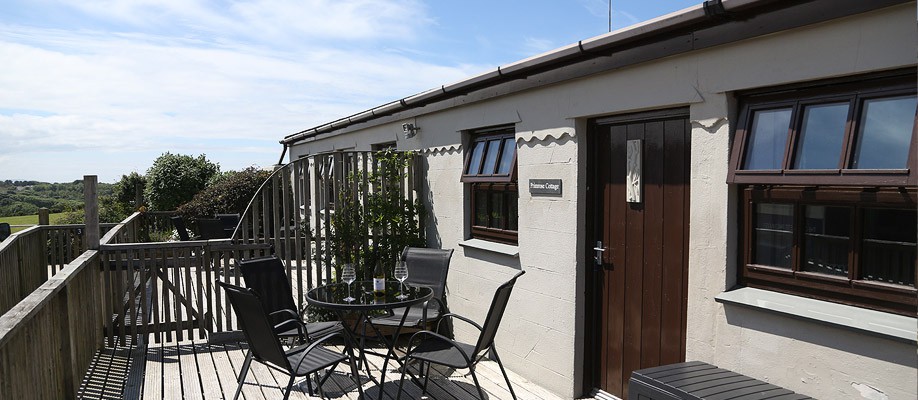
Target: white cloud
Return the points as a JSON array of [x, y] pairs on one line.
[[69, 95]]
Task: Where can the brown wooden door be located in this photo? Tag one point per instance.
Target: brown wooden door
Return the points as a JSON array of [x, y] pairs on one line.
[[639, 295]]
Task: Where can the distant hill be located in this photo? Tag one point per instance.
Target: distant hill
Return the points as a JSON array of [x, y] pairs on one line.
[[26, 197]]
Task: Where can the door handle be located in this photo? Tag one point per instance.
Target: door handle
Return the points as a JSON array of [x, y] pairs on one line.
[[599, 249]]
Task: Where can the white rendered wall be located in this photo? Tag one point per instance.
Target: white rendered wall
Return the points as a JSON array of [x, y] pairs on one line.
[[541, 337]]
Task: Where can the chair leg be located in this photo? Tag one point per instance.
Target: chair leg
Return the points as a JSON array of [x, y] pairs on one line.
[[477, 385], [243, 373], [503, 371], [289, 387], [426, 376], [245, 366], [401, 381]]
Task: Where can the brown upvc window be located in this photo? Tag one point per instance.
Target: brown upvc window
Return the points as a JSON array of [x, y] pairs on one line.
[[490, 169], [849, 245], [859, 133], [829, 194]]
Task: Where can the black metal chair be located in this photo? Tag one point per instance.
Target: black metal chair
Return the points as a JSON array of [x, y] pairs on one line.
[[5, 231], [267, 276], [266, 348], [179, 222], [210, 228], [433, 348], [229, 222], [426, 267]]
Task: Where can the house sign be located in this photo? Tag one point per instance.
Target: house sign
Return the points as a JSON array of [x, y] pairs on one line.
[[545, 186]]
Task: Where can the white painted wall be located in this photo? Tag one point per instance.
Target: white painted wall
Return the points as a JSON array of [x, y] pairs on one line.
[[541, 337]]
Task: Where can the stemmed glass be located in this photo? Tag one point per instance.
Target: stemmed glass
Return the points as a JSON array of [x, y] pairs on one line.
[[401, 273], [348, 275]]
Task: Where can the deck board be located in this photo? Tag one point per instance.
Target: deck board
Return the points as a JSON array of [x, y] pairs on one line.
[[195, 369]]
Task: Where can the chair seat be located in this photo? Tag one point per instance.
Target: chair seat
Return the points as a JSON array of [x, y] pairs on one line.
[[440, 352], [414, 317], [316, 329], [318, 359]]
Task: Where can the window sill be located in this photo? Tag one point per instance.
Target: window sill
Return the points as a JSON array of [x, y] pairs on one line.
[[891, 326], [494, 247]]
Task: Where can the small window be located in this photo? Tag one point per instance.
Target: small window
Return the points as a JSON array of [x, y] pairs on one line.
[[490, 169], [492, 158], [821, 135], [774, 234], [881, 142], [768, 139]]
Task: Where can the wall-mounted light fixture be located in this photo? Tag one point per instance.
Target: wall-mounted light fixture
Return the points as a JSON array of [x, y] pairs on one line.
[[410, 130]]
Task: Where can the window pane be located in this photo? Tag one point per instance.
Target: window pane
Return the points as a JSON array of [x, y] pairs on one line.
[[885, 133], [821, 136], [498, 208], [774, 234], [506, 158], [475, 159], [888, 253], [513, 198], [827, 240], [491, 157], [481, 205], [767, 139]]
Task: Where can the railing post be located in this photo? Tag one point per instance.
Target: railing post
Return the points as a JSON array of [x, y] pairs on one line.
[[91, 211], [43, 216]]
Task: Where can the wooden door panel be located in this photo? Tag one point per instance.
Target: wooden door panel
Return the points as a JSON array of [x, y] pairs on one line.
[[653, 243], [643, 295], [675, 243]]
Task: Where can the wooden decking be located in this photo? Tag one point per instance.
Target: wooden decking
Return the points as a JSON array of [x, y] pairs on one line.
[[199, 370]]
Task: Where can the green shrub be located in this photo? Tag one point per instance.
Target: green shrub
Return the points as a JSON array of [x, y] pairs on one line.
[[175, 179], [230, 194]]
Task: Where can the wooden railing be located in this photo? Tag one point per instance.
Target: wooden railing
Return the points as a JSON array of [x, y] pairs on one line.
[[49, 338], [29, 257], [167, 289]]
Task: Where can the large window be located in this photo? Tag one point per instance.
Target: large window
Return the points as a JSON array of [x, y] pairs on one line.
[[490, 169], [828, 191]]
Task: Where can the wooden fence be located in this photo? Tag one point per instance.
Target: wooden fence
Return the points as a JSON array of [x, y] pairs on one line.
[[29, 257], [48, 339], [167, 289]]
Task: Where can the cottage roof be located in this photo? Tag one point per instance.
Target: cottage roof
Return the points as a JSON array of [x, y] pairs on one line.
[[711, 23]]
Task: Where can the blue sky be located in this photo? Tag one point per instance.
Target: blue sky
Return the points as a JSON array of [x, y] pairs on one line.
[[103, 87]]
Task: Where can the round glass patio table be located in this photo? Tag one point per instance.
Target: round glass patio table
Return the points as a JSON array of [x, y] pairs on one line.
[[332, 297]]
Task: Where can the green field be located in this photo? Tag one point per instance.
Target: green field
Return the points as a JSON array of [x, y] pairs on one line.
[[28, 220]]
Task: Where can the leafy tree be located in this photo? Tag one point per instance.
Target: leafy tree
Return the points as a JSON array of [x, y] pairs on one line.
[[230, 194], [174, 179]]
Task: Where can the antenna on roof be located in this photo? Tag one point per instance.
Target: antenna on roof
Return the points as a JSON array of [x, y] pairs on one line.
[[610, 15]]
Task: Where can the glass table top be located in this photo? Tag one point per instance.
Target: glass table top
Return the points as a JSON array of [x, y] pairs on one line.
[[332, 296]]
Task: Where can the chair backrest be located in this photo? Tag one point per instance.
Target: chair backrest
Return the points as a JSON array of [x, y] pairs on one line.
[[495, 314], [267, 277], [180, 227], [229, 221], [428, 267], [211, 228], [256, 326], [5, 230]]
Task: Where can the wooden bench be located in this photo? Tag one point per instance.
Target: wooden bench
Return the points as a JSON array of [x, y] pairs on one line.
[[697, 380]]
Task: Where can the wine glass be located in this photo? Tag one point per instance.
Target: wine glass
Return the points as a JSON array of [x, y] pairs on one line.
[[401, 273], [348, 275]]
